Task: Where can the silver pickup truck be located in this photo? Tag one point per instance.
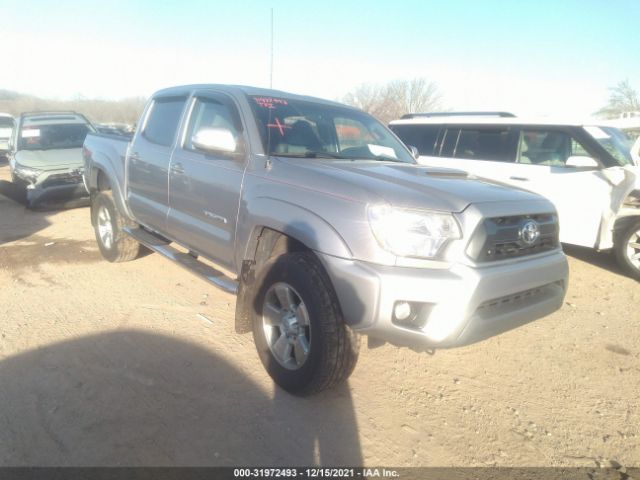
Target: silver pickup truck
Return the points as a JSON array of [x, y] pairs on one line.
[[321, 221]]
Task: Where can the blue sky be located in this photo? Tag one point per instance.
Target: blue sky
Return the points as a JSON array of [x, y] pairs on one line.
[[531, 57]]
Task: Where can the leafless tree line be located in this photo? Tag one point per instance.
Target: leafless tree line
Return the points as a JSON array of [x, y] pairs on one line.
[[386, 102], [622, 99], [392, 100], [98, 111]]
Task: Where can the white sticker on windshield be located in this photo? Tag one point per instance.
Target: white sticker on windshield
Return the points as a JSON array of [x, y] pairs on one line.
[[597, 133], [30, 133], [380, 151]]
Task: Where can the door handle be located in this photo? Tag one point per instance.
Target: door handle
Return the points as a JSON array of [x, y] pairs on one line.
[[135, 156], [177, 168], [522, 179]]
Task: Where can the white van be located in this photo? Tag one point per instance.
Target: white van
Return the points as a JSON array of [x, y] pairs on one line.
[[586, 170], [7, 124]]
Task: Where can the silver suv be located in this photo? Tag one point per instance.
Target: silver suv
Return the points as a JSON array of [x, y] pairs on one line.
[[45, 154]]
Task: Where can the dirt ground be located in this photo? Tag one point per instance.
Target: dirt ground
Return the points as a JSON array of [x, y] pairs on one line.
[[137, 364]]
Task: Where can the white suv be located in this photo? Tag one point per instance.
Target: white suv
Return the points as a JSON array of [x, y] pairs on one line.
[[586, 170], [7, 123]]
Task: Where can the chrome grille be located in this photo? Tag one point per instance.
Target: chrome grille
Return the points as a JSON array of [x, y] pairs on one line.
[[500, 238]]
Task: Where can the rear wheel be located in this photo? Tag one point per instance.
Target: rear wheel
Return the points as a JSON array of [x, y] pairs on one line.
[[108, 222], [627, 250], [298, 328]]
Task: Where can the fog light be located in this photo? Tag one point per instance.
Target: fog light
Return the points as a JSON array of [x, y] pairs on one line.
[[402, 311], [413, 315]]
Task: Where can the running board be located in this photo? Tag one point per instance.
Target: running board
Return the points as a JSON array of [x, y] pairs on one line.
[[206, 272]]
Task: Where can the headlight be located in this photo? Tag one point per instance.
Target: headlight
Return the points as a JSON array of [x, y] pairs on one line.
[[412, 233], [29, 174]]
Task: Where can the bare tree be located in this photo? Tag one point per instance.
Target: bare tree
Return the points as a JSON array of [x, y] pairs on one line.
[[623, 99], [126, 110], [394, 99]]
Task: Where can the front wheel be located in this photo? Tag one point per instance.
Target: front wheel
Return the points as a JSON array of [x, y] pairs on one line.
[[298, 328], [108, 222], [627, 250]]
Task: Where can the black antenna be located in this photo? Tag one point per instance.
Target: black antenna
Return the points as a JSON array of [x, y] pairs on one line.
[[271, 67]]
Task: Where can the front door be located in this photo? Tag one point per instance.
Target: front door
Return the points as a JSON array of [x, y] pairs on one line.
[[581, 195], [204, 188]]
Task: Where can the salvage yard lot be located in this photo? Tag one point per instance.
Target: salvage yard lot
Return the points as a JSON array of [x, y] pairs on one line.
[[137, 364]]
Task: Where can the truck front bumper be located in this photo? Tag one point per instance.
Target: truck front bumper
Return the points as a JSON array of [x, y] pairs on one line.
[[449, 307]]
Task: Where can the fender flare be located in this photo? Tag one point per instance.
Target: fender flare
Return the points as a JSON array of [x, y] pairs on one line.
[[303, 226], [108, 171], [294, 221]]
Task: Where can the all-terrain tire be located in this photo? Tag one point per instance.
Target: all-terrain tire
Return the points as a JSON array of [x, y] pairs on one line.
[[627, 245], [121, 247], [333, 346]]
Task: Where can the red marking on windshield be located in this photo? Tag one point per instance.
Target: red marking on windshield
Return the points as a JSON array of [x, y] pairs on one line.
[[269, 102], [278, 125]]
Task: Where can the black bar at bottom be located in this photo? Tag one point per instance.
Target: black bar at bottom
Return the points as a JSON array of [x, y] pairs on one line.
[[283, 473]]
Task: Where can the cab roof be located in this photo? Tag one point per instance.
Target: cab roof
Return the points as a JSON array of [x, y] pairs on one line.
[[243, 89]]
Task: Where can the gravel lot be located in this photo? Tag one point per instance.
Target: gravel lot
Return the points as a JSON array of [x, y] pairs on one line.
[[137, 364]]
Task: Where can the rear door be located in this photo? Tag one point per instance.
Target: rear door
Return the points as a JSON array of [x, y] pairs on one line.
[[204, 188], [148, 162], [487, 151]]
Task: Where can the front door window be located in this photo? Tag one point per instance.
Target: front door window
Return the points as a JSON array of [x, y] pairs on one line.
[[551, 148]]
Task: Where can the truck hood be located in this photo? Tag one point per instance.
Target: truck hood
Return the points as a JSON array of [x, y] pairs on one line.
[[404, 185], [50, 159]]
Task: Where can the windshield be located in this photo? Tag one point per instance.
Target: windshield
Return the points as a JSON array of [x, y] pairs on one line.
[[295, 128], [49, 137], [614, 141]]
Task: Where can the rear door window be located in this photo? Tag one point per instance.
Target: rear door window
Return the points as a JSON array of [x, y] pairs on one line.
[[162, 123], [423, 137], [493, 144], [448, 144]]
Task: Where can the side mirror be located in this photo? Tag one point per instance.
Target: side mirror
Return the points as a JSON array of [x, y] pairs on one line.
[[214, 140], [414, 152], [579, 161]]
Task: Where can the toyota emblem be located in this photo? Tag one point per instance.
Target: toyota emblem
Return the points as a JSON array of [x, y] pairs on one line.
[[530, 232]]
